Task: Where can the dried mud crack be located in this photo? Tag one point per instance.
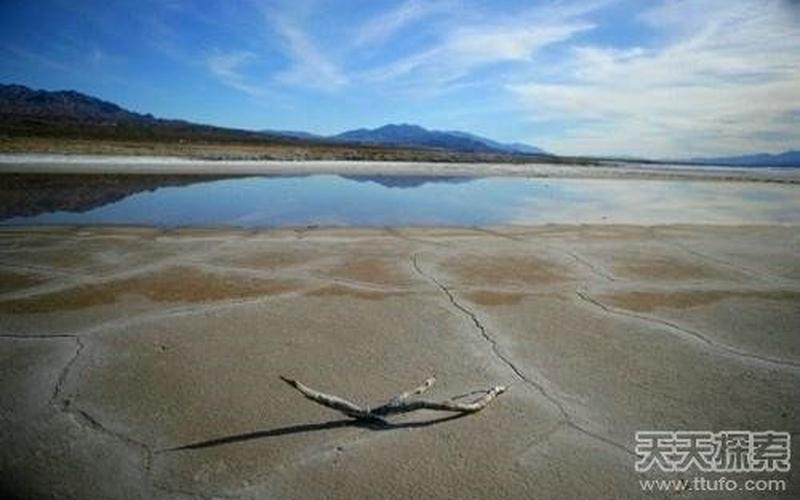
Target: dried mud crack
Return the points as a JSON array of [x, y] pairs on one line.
[[689, 334], [590, 266], [498, 353], [86, 420]]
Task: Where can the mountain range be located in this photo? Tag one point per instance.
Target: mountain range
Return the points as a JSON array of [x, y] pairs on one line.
[[414, 135], [69, 113], [21, 101], [26, 112], [785, 159], [408, 135]]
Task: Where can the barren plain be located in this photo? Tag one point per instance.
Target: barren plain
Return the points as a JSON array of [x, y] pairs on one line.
[[144, 363]]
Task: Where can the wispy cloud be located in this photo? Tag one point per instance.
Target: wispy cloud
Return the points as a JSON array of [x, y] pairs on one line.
[[469, 47], [387, 24], [227, 66], [309, 66], [727, 81], [17, 52], [75, 60]]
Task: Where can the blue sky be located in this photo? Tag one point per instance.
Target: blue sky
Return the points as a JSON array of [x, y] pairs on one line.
[[653, 78]]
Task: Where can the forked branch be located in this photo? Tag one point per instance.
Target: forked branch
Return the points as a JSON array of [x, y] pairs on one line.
[[398, 404]]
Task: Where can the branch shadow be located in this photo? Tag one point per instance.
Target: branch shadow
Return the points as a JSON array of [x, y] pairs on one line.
[[373, 425]]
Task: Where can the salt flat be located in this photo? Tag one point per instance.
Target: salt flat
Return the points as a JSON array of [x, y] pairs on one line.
[[120, 345], [137, 164]]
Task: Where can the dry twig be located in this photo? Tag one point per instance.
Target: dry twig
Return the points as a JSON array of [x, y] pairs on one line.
[[398, 404]]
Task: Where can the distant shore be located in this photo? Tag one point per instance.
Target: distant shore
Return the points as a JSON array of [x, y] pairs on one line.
[[174, 165]]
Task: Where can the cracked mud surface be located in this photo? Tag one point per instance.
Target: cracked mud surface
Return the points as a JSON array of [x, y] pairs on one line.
[[120, 345]]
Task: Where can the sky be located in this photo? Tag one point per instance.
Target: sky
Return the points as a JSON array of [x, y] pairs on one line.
[[651, 78]]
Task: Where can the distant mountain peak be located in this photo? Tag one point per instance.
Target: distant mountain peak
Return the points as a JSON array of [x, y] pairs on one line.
[[402, 127], [68, 113], [406, 134], [63, 104]]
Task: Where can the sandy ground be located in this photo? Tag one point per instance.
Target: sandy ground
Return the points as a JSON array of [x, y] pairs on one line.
[[101, 164], [121, 344]]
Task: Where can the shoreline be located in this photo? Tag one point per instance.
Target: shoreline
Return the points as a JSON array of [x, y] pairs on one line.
[[169, 165], [345, 231]]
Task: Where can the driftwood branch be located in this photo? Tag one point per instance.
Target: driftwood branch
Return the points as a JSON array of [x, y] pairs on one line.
[[335, 402], [413, 392], [402, 403]]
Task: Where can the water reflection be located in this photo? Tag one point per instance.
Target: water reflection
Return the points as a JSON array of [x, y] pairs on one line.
[[33, 194], [407, 181], [404, 200]]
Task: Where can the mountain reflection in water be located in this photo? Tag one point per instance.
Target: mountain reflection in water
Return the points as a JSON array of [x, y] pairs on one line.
[[384, 200]]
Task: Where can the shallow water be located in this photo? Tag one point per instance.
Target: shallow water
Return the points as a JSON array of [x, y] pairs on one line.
[[423, 201]]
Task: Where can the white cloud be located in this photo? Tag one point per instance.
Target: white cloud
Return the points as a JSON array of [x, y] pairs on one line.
[[385, 25], [309, 66], [468, 48], [726, 82], [226, 66]]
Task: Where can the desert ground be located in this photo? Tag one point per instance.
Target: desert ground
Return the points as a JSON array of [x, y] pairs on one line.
[[145, 362]]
